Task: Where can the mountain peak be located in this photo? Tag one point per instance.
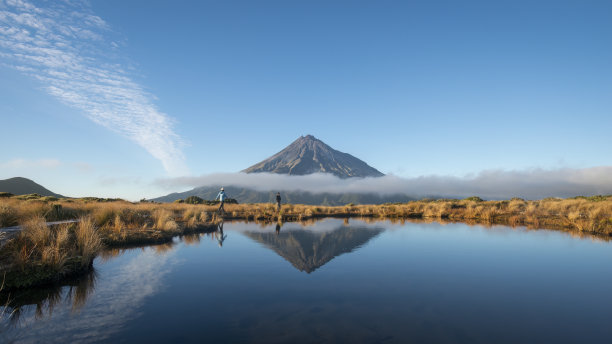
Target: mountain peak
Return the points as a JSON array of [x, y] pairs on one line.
[[307, 139], [308, 155]]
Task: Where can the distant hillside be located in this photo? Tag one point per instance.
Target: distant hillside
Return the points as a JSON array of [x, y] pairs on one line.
[[308, 155], [244, 195], [24, 186]]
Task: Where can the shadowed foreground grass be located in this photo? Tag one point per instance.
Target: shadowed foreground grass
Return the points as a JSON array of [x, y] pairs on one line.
[[41, 254], [44, 254]]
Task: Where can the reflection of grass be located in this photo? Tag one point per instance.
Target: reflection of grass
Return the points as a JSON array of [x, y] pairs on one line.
[[48, 297]]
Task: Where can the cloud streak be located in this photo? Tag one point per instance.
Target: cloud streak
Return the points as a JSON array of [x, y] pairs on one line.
[[491, 184], [65, 47], [25, 163]]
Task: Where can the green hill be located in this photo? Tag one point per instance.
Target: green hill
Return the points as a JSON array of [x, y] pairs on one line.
[[24, 186]]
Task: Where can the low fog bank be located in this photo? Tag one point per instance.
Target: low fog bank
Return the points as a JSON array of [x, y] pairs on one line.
[[491, 184]]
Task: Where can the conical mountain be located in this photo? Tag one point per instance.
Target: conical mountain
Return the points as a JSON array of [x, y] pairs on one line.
[[308, 155], [309, 250]]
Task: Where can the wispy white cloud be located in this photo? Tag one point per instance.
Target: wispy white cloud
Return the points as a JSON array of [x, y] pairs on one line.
[[25, 163], [492, 184], [83, 167], [119, 181], [65, 47]]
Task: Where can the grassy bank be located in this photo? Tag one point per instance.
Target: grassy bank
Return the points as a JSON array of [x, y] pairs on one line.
[[588, 215], [118, 220], [43, 254], [40, 254]]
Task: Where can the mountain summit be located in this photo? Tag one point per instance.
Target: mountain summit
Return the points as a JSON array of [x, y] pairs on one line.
[[308, 155]]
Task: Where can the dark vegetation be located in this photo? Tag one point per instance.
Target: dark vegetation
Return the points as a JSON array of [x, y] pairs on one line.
[[198, 200]]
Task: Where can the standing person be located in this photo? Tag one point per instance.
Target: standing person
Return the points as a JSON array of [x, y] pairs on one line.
[[278, 201], [221, 197]]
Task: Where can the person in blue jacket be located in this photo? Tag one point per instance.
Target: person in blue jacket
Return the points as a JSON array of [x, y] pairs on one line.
[[221, 197]]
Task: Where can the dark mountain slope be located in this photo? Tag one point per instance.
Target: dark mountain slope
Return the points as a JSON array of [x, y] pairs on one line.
[[24, 186]]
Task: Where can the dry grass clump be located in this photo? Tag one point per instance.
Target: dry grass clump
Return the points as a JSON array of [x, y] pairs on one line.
[[38, 243], [88, 240], [56, 252], [8, 215], [164, 221], [104, 215], [35, 231], [41, 252], [194, 218]]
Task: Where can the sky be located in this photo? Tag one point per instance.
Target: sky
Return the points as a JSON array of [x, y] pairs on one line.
[[136, 99]]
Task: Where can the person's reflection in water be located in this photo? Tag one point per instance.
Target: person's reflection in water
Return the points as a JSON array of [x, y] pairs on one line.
[[219, 234], [278, 227]]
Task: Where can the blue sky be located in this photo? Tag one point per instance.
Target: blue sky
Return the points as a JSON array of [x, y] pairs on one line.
[[106, 97]]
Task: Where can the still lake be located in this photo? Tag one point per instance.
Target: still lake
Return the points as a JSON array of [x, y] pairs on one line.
[[335, 281]]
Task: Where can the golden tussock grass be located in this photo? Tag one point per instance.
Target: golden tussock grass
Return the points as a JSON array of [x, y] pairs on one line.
[[88, 240], [42, 253], [163, 220], [583, 214]]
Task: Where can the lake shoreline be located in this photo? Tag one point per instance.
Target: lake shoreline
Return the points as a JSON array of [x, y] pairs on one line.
[[121, 224]]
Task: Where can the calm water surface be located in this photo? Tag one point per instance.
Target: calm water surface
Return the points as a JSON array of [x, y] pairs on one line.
[[334, 281]]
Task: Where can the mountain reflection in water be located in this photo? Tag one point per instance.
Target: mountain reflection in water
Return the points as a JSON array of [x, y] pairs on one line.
[[308, 250], [306, 246]]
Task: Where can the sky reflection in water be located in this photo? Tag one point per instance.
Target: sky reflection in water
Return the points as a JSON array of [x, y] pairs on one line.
[[338, 282]]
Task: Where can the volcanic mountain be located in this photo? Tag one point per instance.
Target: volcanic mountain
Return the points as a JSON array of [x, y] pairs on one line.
[[308, 155], [305, 155]]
